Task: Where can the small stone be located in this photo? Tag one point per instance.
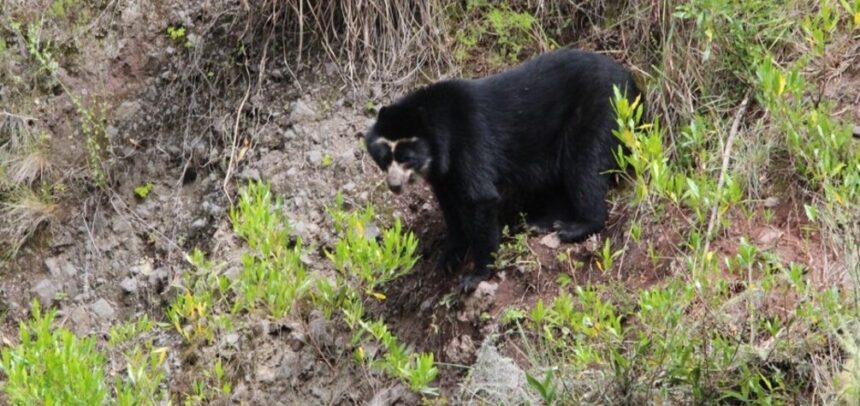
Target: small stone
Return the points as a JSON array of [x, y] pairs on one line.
[[318, 329], [768, 237], [371, 231], [112, 132], [550, 241], [231, 339], [46, 290], [349, 187], [330, 68], [315, 157], [81, 320], [396, 395], [460, 350], [143, 268], [60, 267], [103, 309], [199, 224], [302, 112], [771, 202], [129, 285], [265, 374], [249, 174], [158, 277]]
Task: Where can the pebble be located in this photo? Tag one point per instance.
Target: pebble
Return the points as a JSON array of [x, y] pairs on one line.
[[129, 285], [103, 309], [46, 290]]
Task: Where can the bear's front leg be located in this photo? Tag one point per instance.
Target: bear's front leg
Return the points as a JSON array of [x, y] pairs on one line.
[[481, 229]]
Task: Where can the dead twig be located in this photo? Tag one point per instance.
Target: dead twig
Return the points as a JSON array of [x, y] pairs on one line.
[[727, 153]]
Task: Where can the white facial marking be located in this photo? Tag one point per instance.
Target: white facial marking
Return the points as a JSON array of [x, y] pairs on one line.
[[398, 175]]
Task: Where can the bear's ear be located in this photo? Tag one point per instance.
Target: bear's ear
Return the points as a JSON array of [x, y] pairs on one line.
[[383, 112]]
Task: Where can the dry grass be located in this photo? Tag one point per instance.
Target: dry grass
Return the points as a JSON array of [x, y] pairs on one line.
[[22, 214]]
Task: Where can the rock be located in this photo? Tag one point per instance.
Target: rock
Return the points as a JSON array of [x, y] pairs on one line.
[[46, 290], [371, 231], [496, 380], [297, 337], [318, 329], [330, 68], [478, 302], [771, 202], [395, 395], [551, 241], [460, 350], [127, 111], [302, 112], [249, 174], [230, 339], [158, 277], [60, 267], [142, 268], [129, 285], [768, 237], [112, 132], [349, 187], [199, 224], [315, 157], [103, 309], [81, 320], [265, 374]]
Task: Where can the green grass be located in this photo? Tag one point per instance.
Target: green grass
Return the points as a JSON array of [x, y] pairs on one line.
[[275, 282], [52, 366]]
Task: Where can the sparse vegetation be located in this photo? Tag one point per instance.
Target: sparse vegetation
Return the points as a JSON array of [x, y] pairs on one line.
[[728, 273]]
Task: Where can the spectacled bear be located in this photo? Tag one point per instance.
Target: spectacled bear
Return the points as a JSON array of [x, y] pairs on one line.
[[539, 134]]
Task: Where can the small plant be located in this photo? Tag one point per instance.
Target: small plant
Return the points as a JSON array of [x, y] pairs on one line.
[[52, 366], [546, 387], [177, 34], [507, 32], [515, 251], [360, 256], [607, 256], [142, 191]]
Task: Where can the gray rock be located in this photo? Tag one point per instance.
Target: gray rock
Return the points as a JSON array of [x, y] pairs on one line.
[[231, 339], [302, 112], [315, 157], [771, 202], [46, 290], [158, 277], [82, 322], [60, 267], [249, 174], [199, 224], [395, 395], [550, 241], [127, 110], [143, 268], [318, 329], [129, 285], [371, 231], [103, 309], [496, 380]]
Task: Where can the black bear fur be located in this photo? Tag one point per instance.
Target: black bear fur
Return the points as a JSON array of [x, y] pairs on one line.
[[539, 134]]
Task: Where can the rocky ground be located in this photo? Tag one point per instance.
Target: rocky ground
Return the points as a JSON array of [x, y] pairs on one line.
[[196, 121]]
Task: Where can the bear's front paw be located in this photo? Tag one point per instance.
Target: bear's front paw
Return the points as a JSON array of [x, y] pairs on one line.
[[471, 281]]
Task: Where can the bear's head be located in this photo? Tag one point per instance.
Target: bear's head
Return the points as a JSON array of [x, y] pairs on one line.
[[399, 144]]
